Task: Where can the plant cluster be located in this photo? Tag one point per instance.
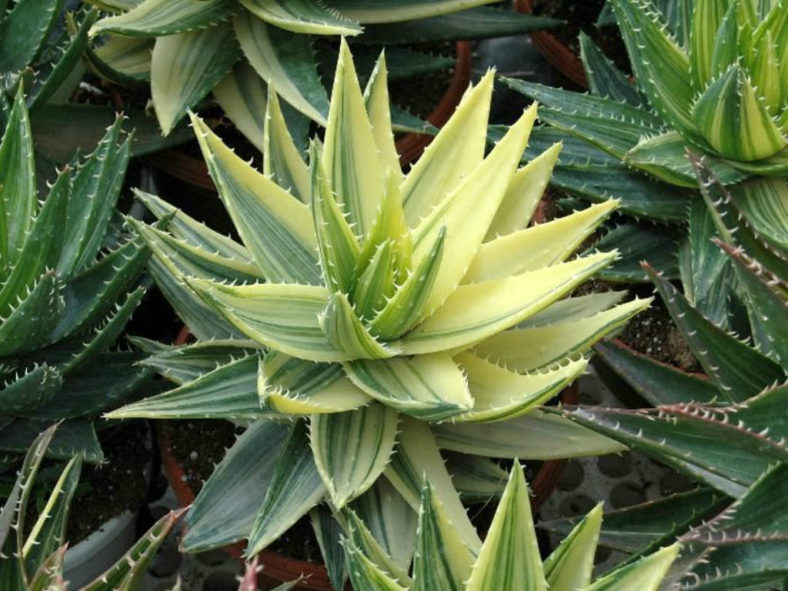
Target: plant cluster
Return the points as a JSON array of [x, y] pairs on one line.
[[390, 344]]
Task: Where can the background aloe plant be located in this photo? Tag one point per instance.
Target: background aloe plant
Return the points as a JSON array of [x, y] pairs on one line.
[[508, 559], [188, 48], [69, 282], [33, 556], [399, 315]]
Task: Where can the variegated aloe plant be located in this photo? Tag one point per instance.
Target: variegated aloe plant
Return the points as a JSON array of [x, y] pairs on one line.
[[32, 557], [69, 282], [187, 48], [389, 315], [509, 558]]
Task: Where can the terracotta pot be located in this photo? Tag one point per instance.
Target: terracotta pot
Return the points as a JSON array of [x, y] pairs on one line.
[[189, 169], [554, 51]]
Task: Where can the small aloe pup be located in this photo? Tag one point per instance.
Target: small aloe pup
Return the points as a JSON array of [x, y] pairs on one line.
[[394, 314], [509, 558]]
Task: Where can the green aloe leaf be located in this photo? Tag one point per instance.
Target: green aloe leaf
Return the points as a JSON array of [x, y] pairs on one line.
[[294, 489], [658, 383], [659, 63], [229, 391], [351, 449], [764, 203], [158, 18], [23, 394], [472, 23], [28, 326], [225, 509], [476, 478], [185, 67], [750, 534], [384, 11], [707, 16], [737, 370], [123, 59], [604, 79], [24, 30], [655, 520], [184, 364], [328, 532], [637, 242], [73, 437], [17, 182], [286, 61], [725, 447]]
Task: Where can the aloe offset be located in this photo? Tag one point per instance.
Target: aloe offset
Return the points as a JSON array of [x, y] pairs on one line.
[[389, 315]]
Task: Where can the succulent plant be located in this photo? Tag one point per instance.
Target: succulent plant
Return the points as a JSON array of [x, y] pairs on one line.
[[189, 48], [394, 314], [508, 559], [69, 282], [32, 557]]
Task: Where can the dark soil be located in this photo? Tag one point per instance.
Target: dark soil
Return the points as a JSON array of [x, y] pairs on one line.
[[120, 483], [199, 445], [581, 15]]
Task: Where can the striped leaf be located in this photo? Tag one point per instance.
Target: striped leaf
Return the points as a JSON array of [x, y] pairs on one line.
[[458, 148], [377, 103], [390, 520], [707, 17], [302, 16], [442, 561], [350, 155], [281, 158], [285, 61], [284, 317], [123, 58], [525, 190], [228, 392], [476, 311], [387, 11], [158, 18], [276, 228], [17, 183], [540, 344], [735, 120], [347, 333], [500, 394], [535, 435], [184, 364], [225, 508], [764, 203], [294, 489], [647, 573], [405, 307], [418, 461], [196, 233], [537, 247], [509, 557], [328, 532], [242, 97], [570, 565], [365, 575], [351, 449], [294, 386], [477, 479], [466, 219], [338, 246], [429, 387], [376, 284]]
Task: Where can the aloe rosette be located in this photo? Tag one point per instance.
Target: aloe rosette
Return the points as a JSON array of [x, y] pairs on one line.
[[508, 559], [388, 314]]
